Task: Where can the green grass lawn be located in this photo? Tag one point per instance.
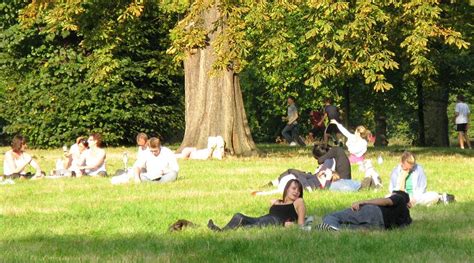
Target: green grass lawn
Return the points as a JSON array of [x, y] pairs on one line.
[[88, 219]]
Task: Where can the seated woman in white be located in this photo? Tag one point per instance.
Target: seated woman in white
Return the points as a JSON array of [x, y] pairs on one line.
[[93, 159], [16, 161], [160, 164]]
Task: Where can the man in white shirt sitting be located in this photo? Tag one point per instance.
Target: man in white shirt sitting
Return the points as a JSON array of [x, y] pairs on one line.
[[461, 118], [160, 164]]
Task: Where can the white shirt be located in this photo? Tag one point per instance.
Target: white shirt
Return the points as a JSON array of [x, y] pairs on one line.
[[355, 144], [21, 161], [462, 109], [156, 166], [91, 159]]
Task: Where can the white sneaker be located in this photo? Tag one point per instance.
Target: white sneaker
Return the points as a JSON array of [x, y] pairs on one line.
[[293, 144]]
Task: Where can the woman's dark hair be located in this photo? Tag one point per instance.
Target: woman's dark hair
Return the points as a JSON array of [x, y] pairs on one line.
[[17, 142], [298, 183], [319, 150], [292, 98], [98, 138], [84, 142], [460, 98], [403, 194]]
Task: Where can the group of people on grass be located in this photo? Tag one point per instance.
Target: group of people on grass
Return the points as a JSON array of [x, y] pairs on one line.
[[156, 163]]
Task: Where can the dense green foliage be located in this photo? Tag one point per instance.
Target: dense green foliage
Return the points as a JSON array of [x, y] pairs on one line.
[[102, 67], [71, 67], [88, 219]]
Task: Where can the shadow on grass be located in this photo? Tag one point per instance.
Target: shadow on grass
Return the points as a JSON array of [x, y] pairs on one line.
[[444, 236]]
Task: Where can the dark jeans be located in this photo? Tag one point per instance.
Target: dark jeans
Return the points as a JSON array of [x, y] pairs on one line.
[[240, 220], [290, 132], [368, 216]]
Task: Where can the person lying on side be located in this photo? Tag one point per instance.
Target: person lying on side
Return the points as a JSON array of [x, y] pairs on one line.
[[288, 211]]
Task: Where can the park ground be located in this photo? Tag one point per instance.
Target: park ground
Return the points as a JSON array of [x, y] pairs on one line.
[[88, 219]]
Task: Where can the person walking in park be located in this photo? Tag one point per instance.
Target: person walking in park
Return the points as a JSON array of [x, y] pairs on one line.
[[461, 119], [382, 213], [17, 159], [317, 130], [290, 132], [285, 212], [331, 112]]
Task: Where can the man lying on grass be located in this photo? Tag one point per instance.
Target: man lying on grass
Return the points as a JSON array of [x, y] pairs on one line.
[[381, 213], [284, 212]]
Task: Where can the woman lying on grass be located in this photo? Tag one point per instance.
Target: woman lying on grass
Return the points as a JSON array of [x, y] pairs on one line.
[[284, 212]]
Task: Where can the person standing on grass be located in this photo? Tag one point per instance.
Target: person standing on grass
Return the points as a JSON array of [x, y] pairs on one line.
[[461, 119], [288, 211], [410, 177], [159, 163], [290, 132], [381, 213], [331, 112], [17, 159]]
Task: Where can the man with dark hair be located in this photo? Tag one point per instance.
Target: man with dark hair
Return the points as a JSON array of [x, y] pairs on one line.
[[290, 132], [331, 112], [461, 118], [381, 213]]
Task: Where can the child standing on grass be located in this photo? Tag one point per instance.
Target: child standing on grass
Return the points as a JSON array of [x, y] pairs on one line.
[[283, 212]]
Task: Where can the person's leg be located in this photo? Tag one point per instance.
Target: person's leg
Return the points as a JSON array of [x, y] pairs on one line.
[[466, 137], [296, 136], [286, 132], [368, 216], [461, 139], [345, 185], [427, 199], [168, 177]]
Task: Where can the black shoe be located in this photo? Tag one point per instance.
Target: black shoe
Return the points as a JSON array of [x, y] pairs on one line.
[[446, 198], [212, 226]]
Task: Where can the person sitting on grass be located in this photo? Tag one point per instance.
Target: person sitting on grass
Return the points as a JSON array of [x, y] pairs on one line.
[[410, 177], [331, 162], [288, 211], [93, 159], [159, 163], [73, 159], [382, 213], [17, 159]]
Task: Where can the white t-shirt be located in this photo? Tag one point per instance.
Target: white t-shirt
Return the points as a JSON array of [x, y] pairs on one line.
[[91, 159], [156, 166], [355, 145], [21, 161], [463, 111]]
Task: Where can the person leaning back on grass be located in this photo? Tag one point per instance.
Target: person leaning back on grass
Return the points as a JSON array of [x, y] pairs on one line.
[[283, 212], [17, 159]]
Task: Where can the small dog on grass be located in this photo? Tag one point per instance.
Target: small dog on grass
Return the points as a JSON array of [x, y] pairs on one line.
[[180, 225]]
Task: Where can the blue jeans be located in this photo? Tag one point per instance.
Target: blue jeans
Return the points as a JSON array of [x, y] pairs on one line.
[[290, 132], [368, 216], [345, 185], [240, 220]]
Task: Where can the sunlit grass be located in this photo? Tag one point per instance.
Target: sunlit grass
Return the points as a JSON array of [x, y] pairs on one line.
[[88, 219]]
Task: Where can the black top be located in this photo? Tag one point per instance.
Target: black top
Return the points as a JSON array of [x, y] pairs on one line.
[[332, 112], [397, 215], [343, 166], [284, 212]]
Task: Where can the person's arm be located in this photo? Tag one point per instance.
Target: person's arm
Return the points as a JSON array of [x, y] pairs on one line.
[[300, 211], [329, 155], [323, 118], [37, 168], [11, 165], [173, 162], [379, 201], [421, 181], [293, 117], [342, 129]]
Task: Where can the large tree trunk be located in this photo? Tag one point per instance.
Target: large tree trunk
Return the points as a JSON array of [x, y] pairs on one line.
[[421, 112], [213, 104], [436, 117]]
